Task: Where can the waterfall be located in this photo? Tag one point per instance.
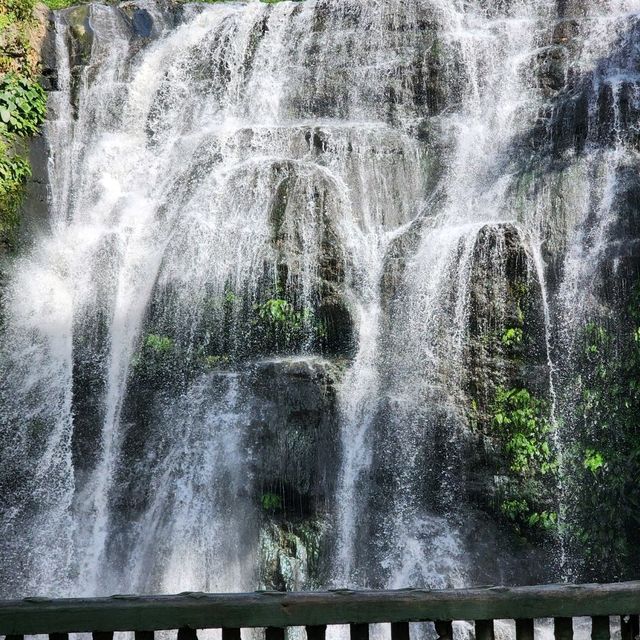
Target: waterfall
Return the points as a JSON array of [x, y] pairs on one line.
[[296, 253]]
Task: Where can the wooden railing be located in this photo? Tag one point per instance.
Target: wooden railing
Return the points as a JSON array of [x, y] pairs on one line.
[[275, 611]]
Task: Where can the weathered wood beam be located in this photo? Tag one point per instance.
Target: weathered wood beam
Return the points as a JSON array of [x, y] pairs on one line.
[[275, 609]]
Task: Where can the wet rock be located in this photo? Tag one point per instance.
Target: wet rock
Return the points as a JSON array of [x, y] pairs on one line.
[[505, 350], [565, 31], [293, 417], [551, 69], [80, 33], [290, 554], [142, 23]]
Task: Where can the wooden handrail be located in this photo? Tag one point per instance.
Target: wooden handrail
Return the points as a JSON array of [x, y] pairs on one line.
[[315, 610]]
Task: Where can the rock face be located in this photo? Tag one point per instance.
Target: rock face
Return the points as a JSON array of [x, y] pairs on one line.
[[293, 418]]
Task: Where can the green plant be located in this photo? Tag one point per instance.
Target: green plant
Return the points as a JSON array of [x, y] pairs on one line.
[[18, 10], [512, 337], [593, 460], [159, 344], [520, 419], [597, 338], [514, 509], [61, 4], [604, 462], [23, 105], [271, 502], [528, 514], [281, 312], [546, 520], [22, 109], [14, 170]]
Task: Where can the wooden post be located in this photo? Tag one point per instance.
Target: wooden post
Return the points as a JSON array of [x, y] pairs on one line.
[[600, 628], [484, 630], [629, 627], [274, 633], [400, 631], [444, 629], [316, 631], [524, 629], [186, 633], [563, 628], [359, 631]]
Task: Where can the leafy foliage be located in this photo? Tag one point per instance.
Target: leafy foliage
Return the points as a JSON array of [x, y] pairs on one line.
[[520, 422], [605, 458], [519, 418], [60, 4], [512, 336], [22, 108], [282, 325], [281, 313], [18, 10], [271, 502], [159, 344], [23, 105], [593, 460]]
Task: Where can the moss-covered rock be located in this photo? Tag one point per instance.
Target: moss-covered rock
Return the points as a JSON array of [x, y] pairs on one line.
[[290, 554]]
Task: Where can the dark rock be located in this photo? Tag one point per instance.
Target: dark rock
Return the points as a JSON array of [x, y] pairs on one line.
[[293, 417], [142, 23], [551, 69]]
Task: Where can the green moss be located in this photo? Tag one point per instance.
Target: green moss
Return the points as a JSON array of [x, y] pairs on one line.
[[271, 502], [158, 344], [60, 4], [284, 325]]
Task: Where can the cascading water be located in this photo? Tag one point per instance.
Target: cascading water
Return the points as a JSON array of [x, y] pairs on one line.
[[297, 255]]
